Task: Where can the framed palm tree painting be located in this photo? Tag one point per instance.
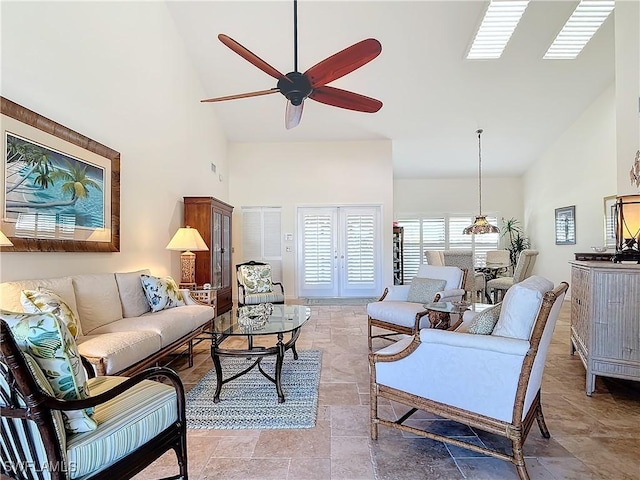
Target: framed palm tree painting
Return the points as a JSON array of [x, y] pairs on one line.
[[61, 190]]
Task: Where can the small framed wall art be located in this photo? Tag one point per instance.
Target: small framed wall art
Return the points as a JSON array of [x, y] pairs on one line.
[[566, 225]]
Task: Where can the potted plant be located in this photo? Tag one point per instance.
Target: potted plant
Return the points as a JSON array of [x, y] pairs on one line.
[[517, 241]]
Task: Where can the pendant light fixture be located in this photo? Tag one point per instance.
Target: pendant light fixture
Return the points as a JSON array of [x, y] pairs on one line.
[[480, 224]]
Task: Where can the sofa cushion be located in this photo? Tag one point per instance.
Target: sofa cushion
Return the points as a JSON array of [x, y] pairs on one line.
[[98, 300], [520, 307], [49, 342], [43, 301], [113, 352], [63, 286], [169, 325], [161, 293], [125, 423], [398, 313], [423, 290], [484, 322], [134, 301]]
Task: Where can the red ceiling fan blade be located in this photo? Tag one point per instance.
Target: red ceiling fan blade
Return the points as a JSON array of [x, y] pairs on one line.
[[344, 99], [343, 62], [250, 56], [241, 95]]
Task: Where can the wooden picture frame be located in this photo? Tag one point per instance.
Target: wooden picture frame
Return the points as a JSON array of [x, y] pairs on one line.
[[610, 221], [565, 225], [60, 189]]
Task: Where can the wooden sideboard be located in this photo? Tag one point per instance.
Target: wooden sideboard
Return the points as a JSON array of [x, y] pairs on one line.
[[605, 319]]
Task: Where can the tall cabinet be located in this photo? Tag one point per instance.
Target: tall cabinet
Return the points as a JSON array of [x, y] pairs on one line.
[[605, 319], [212, 218], [398, 256]]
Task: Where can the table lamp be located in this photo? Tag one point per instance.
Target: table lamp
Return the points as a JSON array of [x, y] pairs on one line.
[[627, 216], [187, 240], [4, 241]]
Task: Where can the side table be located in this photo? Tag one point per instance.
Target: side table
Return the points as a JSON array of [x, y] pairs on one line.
[[207, 296]]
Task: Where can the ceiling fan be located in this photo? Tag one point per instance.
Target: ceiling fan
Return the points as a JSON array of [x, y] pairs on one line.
[[297, 87]]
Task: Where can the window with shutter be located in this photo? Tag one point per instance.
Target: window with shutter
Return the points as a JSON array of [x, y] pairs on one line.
[[262, 237]]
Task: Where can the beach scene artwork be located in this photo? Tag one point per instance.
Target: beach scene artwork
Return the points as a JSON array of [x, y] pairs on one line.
[[43, 183]]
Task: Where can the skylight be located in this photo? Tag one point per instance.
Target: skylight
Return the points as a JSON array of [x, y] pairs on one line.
[[581, 26], [496, 28]]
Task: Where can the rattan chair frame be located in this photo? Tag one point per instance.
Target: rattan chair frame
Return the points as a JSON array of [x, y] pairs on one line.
[[39, 407], [516, 431]]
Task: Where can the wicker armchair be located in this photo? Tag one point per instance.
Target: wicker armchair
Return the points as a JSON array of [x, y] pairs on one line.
[[398, 314], [140, 420], [490, 382], [255, 284], [474, 283]]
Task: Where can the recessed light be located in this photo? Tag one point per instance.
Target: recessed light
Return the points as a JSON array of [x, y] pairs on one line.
[[583, 23], [498, 24]]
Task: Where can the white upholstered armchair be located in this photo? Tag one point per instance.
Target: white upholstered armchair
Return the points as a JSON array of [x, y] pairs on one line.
[[491, 381], [400, 309]]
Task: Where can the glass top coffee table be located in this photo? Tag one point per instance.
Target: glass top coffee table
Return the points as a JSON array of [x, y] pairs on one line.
[[251, 322], [440, 312]]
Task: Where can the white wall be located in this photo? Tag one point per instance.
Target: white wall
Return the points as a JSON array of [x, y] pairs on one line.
[[291, 175], [578, 169], [116, 72], [500, 196]]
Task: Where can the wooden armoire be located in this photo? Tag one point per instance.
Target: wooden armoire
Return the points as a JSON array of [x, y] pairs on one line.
[[212, 218]]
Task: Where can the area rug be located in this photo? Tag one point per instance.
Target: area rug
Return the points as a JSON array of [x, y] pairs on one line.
[[251, 401], [339, 301]]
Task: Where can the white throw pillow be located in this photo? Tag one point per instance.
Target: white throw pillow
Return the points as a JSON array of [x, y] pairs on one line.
[[520, 308]]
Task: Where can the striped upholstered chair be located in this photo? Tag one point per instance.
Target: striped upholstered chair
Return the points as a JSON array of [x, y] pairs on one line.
[[138, 420], [255, 284]]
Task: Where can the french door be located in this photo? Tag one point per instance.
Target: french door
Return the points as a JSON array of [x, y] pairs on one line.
[[339, 251]]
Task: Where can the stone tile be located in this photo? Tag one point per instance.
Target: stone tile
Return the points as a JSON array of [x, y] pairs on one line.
[[310, 469], [338, 394], [347, 421], [247, 469], [351, 458], [295, 443]]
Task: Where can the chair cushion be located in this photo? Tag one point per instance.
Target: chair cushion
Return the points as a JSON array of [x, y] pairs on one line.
[[270, 297], [161, 293], [485, 321], [453, 275], [520, 307], [49, 342], [255, 278], [423, 290], [396, 313], [501, 283], [134, 301], [124, 424], [43, 301]]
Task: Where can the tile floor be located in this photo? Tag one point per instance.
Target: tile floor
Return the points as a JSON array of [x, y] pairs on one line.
[[591, 437]]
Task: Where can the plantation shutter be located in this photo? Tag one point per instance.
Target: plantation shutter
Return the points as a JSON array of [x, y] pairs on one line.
[[412, 248], [318, 249], [262, 237], [360, 249]]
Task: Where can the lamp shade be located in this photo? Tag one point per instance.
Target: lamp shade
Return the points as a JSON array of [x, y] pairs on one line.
[[627, 228], [4, 241], [480, 226], [187, 239]]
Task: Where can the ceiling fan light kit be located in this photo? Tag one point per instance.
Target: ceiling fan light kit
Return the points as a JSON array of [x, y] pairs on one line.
[[296, 87]]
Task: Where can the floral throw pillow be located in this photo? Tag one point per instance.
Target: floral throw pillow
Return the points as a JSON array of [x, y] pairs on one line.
[[256, 278], [485, 321], [161, 293], [54, 349], [423, 290], [43, 301]]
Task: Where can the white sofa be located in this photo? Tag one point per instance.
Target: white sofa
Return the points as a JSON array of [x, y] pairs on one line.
[[118, 333]]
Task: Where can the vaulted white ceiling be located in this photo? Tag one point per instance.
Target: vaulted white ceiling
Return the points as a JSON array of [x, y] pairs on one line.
[[434, 99]]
